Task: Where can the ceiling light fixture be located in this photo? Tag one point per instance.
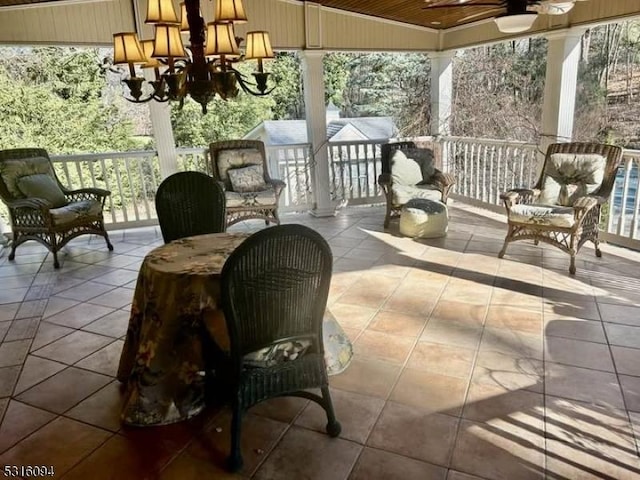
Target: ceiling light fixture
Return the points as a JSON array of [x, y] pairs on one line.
[[209, 67], [515, 23]]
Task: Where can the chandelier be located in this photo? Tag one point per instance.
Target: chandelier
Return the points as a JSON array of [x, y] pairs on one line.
[[209, 68]]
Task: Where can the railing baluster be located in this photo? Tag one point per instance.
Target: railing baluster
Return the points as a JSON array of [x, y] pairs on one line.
[[144, 188], [79, 172], [110, 197], [625, 195]]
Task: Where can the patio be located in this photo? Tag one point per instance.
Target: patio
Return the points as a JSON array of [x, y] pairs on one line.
[[466, 366]]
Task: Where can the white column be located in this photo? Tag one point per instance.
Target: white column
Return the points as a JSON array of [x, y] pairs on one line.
[[315, 111], [441, 92], [563, 57], [163, 134]]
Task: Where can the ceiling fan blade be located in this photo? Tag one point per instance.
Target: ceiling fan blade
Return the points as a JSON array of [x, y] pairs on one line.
[[480, 14], [466, 5]]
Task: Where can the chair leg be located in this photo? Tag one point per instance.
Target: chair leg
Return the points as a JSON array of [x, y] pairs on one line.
[[235, 461], [54, 250], [12, 254], [572, 264], [504, 247], [596, 242], [276, 217], [333, 426], [106, 239]]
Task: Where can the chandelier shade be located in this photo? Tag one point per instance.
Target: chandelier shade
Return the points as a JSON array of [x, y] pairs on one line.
[[221, 40], [517, 23], [202, 70], [230, 11], [161, 11]]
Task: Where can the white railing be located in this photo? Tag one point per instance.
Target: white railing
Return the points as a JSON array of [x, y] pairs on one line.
[[623, 226], [354, 170]]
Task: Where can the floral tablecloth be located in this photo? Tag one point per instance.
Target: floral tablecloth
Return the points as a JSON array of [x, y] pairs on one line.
[[162, 363]]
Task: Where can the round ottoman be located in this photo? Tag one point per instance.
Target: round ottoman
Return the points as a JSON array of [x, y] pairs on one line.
[[424, 218]]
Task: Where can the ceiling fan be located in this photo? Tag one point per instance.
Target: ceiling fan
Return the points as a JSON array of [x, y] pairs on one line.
[[511, 16]]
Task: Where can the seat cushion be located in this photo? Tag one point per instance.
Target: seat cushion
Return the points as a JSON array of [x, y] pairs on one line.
[[42, 186], [236, 158], [75, 211], [405, 171], [550, 215], [251, 199], [247, 179], [403, 193], [569, 176], [424, 218], [12, 170]]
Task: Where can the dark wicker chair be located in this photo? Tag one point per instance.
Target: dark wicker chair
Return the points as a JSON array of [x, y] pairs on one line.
[[274, 294], [568, 224], [437, 185], [190, 203], [234, 154], [36, 218]]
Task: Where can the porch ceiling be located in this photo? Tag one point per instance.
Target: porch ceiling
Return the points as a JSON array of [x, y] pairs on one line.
[[13, 3], [414, 11]]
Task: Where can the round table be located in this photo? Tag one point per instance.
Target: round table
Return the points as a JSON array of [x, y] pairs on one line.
[[162, 362]]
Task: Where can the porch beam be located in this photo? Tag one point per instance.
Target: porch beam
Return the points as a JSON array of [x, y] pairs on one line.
[[563, 57], [315, 111]]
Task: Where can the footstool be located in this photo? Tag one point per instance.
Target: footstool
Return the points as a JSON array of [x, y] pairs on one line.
[[424, 218]]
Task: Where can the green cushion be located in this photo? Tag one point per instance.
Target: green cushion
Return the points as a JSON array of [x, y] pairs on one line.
[[12, 170], [42, 186]]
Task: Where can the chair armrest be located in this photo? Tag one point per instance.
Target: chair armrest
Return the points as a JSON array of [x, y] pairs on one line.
[[34, 203], [87, 194], [520, 195], [385, 179], [588, 201], [31, 212], [277, 184], [442, 180]]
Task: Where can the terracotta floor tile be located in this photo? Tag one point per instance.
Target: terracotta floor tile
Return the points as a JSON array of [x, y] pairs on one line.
[[356, 413], [311, 455], [414, 432], [591, 386], [486, 403], [352, 316], [105, 360], [620, 314], [575, 309], [370, 292], [31, 308], [13, 353], [430, 391], [576, 328], [508, 371], [376, 464], [395, 323], [438, 358], [367, 376], [60, 444], [594, 428], [20, 421], [8, 311], [578, 353], [390, 348], [574, 461], [73, 347], [455, 475], [117, 298], [411, 300], [63, 390], [35, 370], [101, 409], [47, 333], [622, 335], [627, 360], [631, 390], [8, 380], [452, 333], [499, 451], [22, 329], [282, 409], [511, 342], [452, 311], [80, 315], [113, 325], [522, 320]]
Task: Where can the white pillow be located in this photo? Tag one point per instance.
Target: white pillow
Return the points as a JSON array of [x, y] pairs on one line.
[[569, 176], [405, 171], [247, 179]]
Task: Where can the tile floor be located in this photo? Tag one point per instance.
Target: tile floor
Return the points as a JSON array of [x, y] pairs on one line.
[[465, 367]]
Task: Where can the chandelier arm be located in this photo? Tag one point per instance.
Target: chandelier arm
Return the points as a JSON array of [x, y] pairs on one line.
[[246, 85]]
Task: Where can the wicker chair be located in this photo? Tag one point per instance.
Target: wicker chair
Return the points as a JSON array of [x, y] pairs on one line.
[[435, 187], [36, 218], [258, 201], [274, 294], [190, 203], [547, 213]]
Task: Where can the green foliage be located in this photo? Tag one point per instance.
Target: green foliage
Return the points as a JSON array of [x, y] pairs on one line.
[[51, 98]]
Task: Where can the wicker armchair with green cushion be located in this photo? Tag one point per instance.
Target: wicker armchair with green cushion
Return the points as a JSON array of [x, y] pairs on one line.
[[274, 294], [40, 208], [241, 166], [408, 172], [563, 208], [188, 204]]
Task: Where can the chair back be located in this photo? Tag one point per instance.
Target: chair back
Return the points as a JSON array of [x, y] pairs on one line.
[[606, 174], [19, 162], [386, 152], [190, 203], [231, 154], [275, 287]]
